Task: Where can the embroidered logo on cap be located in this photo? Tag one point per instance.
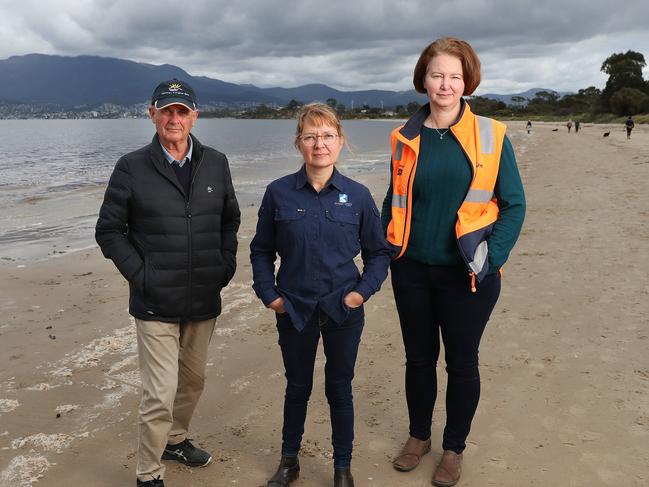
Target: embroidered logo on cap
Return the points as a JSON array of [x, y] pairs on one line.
[[175, 87]]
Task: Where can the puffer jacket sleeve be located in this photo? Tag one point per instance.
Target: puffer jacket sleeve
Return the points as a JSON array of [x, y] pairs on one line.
[[230, 221], [112, 226]]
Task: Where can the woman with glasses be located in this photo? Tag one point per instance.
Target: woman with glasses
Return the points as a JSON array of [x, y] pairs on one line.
[[453, 212], [317, 220]]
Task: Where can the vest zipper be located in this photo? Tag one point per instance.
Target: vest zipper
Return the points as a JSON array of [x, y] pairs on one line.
[[408, 192], [473, 176]]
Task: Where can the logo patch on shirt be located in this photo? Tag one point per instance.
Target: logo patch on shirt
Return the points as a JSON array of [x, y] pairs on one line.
[[209, 189], [343, 198]]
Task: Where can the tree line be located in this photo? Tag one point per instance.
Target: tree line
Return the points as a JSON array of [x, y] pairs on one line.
[[626, 93]]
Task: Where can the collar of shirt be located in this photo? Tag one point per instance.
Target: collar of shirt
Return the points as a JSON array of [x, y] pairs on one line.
[[336, 179], [188, 157]]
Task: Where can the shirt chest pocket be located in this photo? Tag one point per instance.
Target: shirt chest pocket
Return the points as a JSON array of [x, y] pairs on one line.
[[343, 227], [289, 226], [287, 214]]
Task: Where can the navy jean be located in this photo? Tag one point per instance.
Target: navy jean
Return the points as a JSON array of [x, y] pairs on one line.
[[299, 351], [432, 299]]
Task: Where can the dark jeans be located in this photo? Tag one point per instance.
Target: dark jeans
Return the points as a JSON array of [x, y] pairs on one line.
[[299, 351], [431, 299]]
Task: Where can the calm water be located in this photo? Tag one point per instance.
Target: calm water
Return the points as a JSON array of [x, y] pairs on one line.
[[52, 172]]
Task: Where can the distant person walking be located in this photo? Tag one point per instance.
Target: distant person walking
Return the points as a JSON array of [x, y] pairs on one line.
[[169, 222], [529, 126], [629, 124], [453, 212], [569, 125], [577, 124]]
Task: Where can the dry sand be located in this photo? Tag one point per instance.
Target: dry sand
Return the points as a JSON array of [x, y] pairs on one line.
[[565, 358]]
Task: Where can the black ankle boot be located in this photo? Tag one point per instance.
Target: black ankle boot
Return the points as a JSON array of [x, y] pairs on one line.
[[343, 477], [287, 472]]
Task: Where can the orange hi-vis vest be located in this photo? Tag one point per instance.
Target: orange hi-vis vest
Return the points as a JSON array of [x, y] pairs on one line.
[[481, 140]]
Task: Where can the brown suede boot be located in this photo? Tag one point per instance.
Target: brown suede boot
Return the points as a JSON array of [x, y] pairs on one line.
[[449, 469], [411, 453]]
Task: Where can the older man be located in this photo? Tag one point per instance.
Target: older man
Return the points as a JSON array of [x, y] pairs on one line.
[[169, 222]]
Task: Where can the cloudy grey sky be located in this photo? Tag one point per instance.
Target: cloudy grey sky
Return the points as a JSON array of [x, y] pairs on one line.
[[350, 45]]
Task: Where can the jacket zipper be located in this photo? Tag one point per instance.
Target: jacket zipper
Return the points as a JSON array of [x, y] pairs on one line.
[[188, 217]]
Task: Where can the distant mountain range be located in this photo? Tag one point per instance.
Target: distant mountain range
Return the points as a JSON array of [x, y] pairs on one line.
[[528, 95], [87, 82]]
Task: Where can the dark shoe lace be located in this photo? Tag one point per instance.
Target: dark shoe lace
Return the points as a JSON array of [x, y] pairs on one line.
[[156, 482]]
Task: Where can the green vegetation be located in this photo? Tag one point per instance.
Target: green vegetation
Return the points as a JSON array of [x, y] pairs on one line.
[[626, 93], [270, 112]]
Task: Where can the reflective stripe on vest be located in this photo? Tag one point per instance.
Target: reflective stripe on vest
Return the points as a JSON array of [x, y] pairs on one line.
[[481, 140]]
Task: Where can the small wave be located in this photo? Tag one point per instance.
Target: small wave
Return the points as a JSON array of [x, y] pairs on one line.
[[69, 187], [37, 232], [55, 191]]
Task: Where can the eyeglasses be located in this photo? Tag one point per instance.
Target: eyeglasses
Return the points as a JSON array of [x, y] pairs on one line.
[[309, 140]]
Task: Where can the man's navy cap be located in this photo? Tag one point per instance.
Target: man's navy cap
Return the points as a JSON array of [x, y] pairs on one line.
[[174, 92]]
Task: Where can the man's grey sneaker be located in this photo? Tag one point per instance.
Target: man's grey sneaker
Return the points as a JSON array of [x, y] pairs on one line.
[[158, 482], [185, 452]]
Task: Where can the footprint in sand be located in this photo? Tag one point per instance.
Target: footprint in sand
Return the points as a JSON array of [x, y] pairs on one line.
[[503, 436], [498, 462]]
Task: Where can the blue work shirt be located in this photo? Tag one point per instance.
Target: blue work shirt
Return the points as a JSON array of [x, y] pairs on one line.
[[317, 236]]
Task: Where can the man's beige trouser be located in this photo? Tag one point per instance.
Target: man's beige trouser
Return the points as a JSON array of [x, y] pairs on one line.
[[172, 368]]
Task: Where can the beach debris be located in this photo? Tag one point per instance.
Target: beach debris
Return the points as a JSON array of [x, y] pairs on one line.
[[23, 471], [56, 442], [242, 383], [606, 134], [108, 384], [127, 362], [51, 337], [43, 386], [130, 378], [66, 408], [122, 341], [555, 130], [8, 405], [62, 372]]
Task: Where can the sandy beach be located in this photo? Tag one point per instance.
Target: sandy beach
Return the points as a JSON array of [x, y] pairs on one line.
[[564, 359]]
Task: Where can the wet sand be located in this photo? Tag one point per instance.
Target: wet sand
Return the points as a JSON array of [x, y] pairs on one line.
[[564, 362]]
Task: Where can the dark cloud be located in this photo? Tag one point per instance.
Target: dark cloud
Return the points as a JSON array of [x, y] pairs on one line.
[[346, 44]]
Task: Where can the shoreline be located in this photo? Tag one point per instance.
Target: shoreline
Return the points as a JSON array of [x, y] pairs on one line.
[[31, 228], [565, 381]]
